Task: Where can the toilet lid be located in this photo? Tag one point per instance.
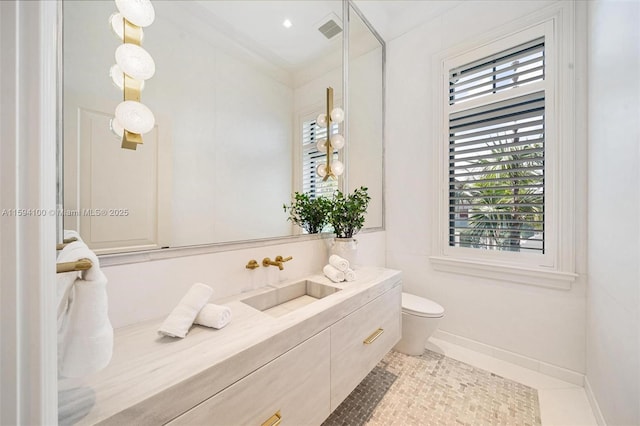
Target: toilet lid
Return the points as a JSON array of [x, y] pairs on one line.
[[420, 306]]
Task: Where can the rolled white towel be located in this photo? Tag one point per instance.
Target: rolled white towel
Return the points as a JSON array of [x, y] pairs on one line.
[[179, 321], [340, 263], [214, 316], [349, 275], [333, 274]]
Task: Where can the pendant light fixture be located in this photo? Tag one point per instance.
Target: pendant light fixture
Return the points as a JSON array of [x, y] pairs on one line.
[[333, 115], [133, 66]]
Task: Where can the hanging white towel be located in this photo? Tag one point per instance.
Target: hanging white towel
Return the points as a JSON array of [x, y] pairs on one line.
[[214, 316], [340, 263], [179, 321], [349, 275], [85, 334], [333, 274]]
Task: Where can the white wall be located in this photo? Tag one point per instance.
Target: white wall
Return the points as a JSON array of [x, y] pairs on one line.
[[28, 374], [545, 324], [147, 290], [613, 295]]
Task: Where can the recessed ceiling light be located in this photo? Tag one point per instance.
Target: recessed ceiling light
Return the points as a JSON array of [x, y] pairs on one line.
[[287, 23]]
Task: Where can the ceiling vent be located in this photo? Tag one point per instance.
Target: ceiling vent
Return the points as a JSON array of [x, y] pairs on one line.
[[330, 26]]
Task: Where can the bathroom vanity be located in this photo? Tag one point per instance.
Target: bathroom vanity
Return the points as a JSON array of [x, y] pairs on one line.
[[292, 353]]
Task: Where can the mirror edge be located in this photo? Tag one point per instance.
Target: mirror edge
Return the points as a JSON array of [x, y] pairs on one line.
[[346, 12]]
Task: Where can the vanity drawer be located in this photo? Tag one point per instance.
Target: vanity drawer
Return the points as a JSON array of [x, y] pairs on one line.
[[295, 385], [357, 344]]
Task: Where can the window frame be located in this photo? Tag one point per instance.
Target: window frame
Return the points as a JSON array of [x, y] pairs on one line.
[[556, 267]]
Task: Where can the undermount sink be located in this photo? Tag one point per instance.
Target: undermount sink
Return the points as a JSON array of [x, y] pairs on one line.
[[283, 300]]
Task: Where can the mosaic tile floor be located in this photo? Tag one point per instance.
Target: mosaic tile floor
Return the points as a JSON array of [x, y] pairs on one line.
[[432, 389]]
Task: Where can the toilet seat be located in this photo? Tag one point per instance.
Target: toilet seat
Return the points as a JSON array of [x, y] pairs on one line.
[[421, 307]]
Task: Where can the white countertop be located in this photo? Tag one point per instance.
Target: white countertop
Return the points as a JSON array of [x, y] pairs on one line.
[[153, 379]]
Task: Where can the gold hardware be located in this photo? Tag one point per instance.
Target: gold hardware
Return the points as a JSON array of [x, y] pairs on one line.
[[253, 264], [65, 243], [131, 140], [132, 88], [268, 262], [281, 259], [329, 146], [132, 33], [80, 265], [273, 420], [369, 340]]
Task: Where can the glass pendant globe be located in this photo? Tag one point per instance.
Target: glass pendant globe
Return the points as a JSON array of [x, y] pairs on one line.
[[337, 167], [138, 12], [116, 128], [135, 61], [322, 170], [117, 76], [337, 115], [117, 26], [135, 117], [337, 141], [322, 120], [322, 145]]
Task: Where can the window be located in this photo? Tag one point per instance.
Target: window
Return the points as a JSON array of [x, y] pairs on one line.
[[496, 153], [505, 155], [312, 183]]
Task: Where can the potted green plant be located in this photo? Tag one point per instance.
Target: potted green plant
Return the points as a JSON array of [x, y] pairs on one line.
[[311, 214], [347, 218]]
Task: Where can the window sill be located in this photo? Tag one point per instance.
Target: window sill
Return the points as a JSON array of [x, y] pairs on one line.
[[521, 275]]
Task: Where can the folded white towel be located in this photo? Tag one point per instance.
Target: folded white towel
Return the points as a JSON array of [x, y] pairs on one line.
[[349, 275], [179, 321], [333, 274], [214, 316], [85, 334], [340, 263]]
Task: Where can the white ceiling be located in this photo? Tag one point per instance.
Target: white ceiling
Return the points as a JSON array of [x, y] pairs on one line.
[[392, 18], [257, 24]]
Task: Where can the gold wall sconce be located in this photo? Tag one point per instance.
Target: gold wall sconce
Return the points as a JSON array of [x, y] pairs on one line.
[[333, 115], [133, 66]]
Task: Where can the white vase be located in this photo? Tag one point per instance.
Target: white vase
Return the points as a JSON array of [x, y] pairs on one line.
[[346, 248]]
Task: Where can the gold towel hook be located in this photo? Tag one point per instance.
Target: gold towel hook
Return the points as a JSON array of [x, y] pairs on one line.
[[79, 265]]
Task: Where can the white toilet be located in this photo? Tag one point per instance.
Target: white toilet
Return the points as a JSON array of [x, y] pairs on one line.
[[420, 318]]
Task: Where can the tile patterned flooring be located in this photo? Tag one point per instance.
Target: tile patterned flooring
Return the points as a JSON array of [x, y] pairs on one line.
[[433, 389]]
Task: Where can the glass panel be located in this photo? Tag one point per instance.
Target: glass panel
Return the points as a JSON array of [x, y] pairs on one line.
[[365, 115]]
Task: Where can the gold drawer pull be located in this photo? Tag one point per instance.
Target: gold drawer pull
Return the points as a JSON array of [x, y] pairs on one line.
[[273, 420], [369, 340]]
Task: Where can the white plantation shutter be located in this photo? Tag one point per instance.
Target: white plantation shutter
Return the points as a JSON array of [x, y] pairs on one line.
[[312, 183], [515, 67], [496, 163]]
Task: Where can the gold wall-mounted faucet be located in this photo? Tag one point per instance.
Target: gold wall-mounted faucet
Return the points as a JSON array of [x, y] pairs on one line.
[[253, 264], [278, 262]]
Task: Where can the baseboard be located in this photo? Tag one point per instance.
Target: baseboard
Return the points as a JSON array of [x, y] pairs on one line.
[[523, 361], [593, 402]]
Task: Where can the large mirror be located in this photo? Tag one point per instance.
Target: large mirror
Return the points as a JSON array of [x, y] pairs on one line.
[[234, 95]]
